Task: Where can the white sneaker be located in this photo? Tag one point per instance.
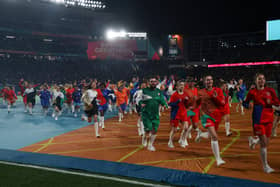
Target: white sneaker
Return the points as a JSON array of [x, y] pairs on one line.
[[84, 118], [198, 137], [144, 142], [182, 143], [251, 142], [228, 133], [237, 108], [75, 115], [186, 143], [125, 112], [170, 144], [274, 132], [120, 119], [190, 136], [53, 115], [139, 132], [268, 169], [220, 162], [151, 148], [56, 118]]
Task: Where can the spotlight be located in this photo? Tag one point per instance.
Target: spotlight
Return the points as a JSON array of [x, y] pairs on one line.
[[82, 3], [111, 34]]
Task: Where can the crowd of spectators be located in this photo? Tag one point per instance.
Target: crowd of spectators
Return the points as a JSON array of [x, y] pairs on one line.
[[63, 70]]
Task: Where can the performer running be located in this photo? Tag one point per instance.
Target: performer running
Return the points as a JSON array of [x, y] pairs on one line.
[[225, 110], [264, 99], [102, 105], [69, 99], [127, 90], [241, 90], [45, 97], [151, 99], [212, 100], [134, 86], [136, 98], [30, 94], [122, 99], [10, 96], [90, 106], [23, 85], [77, 95], [192, 91], [231, 88], [111, 96], [179, 102], [4, 94], [58, 102]]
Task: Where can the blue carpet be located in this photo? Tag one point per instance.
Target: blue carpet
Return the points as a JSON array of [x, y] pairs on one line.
[[19, 129]]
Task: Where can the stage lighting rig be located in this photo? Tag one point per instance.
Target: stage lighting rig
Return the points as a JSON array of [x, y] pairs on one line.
[[90, 4], [85, 3]]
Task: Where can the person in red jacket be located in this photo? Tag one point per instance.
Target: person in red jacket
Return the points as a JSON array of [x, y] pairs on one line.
[[11, 97], [69, 99], [3, 95], [193, 93], [264, 99], [212, 101], [179, 101], [226, 110], [23, 85], [102, 105]]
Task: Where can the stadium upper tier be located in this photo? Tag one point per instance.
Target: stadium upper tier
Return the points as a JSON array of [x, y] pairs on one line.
[[54, 18]]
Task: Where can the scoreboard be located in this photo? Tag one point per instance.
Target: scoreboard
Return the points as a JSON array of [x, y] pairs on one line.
[[175, 44]]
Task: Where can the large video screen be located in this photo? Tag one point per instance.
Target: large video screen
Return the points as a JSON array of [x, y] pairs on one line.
[[273, 30]]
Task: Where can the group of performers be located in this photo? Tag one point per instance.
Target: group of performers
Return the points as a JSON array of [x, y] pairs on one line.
[[188, 105]]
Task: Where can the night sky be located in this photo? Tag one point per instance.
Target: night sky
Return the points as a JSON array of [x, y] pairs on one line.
[[195, 17]]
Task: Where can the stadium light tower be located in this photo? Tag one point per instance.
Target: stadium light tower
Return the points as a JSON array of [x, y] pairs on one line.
[[90, 4], [58, 1], [111, 34]]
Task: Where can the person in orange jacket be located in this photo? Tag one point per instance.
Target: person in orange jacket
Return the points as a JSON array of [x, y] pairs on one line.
[[122, 99]]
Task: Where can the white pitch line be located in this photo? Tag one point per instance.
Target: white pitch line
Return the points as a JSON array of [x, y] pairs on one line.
[[84, 174]]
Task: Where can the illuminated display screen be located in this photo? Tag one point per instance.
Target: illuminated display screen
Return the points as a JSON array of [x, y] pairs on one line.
[[273, 30]]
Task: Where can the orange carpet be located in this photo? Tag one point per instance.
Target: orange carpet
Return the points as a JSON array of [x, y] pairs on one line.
[[120, 142]]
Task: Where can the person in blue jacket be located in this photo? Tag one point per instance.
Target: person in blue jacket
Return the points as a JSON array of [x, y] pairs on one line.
[[45, 97], [77, 95], [240, 95]]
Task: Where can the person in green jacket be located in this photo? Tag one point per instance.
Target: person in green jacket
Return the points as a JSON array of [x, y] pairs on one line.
[[151, 98]]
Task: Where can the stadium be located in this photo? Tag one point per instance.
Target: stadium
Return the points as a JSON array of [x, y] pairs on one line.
[[139, 93]]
